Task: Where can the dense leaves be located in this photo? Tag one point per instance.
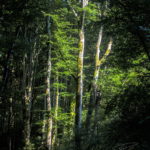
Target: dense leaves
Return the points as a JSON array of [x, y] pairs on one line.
[[120, 116]]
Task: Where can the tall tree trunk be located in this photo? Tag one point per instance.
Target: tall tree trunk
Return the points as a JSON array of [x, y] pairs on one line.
[[29, 61], [96, 89], [28, 103], [48, 94], [44, 124], [95, 78], [95, 94], [56, 112], [79, 91]]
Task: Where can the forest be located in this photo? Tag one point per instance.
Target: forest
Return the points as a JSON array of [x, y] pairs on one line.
[[75, 75]]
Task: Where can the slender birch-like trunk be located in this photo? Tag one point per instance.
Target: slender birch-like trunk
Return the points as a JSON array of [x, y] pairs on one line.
[[97, 57], [57, 97], [95, 94], [95, 78], [96, 89], [56, 112], [48, 94], [44, 124], [79, 94]]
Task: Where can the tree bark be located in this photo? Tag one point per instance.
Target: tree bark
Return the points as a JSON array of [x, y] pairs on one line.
[[28, 69], [79, 92], [48, 93], [95, 78], [29, 63], [96, 89], [56, 112], [95, 93]]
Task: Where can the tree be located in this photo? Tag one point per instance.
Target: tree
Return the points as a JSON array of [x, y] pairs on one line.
[[49, 49], [80, 77]]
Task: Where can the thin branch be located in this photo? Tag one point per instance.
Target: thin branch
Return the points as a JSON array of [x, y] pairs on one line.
[[73, 10], [107, 52]]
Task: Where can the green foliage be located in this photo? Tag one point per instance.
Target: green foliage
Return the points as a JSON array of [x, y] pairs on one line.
[[92, 12], [123, 116]]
